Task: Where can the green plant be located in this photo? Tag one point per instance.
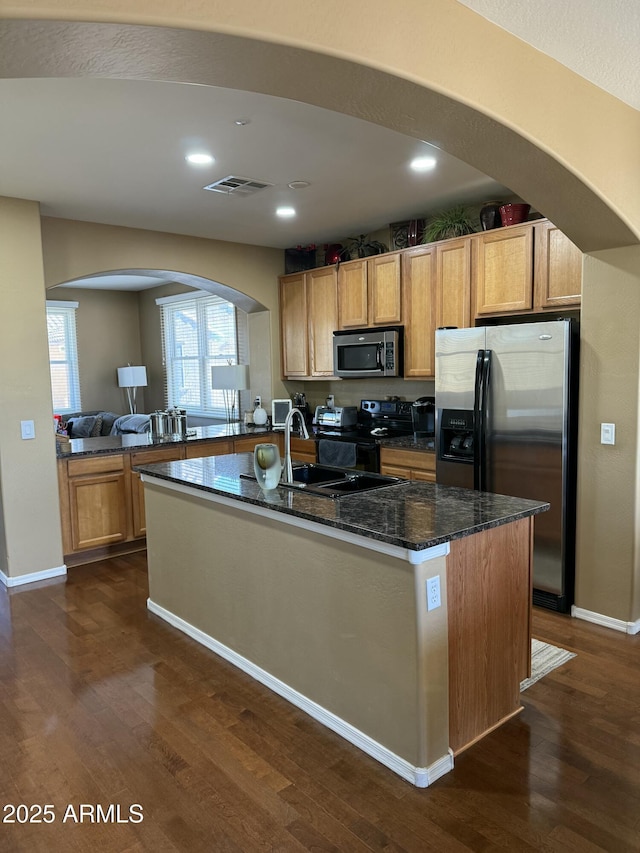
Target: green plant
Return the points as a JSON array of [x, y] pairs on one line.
[[450, 223], [363, 247]]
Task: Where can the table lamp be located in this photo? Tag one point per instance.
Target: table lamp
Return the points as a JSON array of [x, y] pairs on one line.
[[131, 378], [230, 378]]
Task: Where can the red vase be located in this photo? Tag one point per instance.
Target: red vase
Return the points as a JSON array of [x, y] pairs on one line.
[[513, 214]]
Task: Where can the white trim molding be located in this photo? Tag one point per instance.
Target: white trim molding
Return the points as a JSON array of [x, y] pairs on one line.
[[33, 577], [421, 777], [606, 621]]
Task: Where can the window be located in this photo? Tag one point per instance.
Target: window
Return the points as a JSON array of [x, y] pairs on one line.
[[63, 356], [198, 331]]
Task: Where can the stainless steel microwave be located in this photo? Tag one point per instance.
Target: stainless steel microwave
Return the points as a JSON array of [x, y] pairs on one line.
[[362, 353]]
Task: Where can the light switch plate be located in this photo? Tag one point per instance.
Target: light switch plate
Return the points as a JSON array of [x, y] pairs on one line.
[[607, 433], [27, 429]]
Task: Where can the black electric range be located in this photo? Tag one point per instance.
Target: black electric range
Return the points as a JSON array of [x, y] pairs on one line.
[[377, 419]]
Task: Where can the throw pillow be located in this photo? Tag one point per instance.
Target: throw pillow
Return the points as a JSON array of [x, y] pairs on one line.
[[96, 429], [81, 427]]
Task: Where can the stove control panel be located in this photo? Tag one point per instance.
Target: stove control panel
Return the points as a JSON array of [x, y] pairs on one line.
[[388, 408]]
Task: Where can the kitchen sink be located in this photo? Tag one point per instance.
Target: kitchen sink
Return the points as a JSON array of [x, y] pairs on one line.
[[331, 482], [311, 473]]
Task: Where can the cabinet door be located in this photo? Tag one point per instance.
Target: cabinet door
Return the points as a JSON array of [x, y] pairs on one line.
[[99, 507], [385, 301], [293, 325], [352, 295], [322, 310], [418, 293], [303, 449], [558, 268], [503, 270], [147, 457], [453, 283]]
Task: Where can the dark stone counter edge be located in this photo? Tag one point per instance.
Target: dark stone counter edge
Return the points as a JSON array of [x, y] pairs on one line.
[[520, 507], [135, 442]]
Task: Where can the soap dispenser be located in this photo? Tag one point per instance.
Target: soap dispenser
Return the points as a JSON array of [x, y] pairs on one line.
[[259, 414]]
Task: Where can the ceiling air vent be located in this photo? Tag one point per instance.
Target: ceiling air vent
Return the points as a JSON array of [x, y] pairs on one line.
[[237, 186]]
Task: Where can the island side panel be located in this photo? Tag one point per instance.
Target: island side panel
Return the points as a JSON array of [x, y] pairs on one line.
[[334, 621], [489, 592]]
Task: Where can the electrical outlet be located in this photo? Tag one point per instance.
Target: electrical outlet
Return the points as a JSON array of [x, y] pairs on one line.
[[257, 403], [433, 593]]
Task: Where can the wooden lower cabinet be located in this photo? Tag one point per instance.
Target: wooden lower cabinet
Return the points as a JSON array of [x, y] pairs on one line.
[[303, 449], [102, 498], [99, 502], [145, 457], [409, 464]]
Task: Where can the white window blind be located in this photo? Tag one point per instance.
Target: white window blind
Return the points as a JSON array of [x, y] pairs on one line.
[[63, 356], [198, 332]]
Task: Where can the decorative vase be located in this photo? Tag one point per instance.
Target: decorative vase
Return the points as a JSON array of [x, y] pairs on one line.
[[514, 214], [490, 215], [267, 466]]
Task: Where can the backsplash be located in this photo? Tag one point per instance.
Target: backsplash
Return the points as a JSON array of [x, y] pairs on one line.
[[349, 392]]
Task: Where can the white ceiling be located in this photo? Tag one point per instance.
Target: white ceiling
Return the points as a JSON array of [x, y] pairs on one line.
[[112, 151]]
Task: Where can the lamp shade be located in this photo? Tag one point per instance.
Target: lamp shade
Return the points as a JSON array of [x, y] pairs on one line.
[[230, 377], [132, 376]]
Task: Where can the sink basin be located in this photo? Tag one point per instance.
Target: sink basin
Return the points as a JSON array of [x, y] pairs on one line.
[[330, 482], [311, 473]]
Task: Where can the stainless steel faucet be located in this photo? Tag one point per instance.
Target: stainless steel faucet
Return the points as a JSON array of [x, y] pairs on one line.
[[287, 470]]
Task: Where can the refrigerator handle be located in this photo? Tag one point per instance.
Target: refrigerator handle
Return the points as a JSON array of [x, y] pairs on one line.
[[477, 420], [483, 419]]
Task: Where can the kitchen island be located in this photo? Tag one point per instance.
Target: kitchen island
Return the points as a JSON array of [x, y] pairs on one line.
[[399, 618]]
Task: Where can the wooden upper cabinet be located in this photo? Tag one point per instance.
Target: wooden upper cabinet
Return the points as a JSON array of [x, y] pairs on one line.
[[453, 288], [503, 270], [558, 269], [419, 295], [369, 292], [293, 325], [353, 302], [385, 300], [322, 311]]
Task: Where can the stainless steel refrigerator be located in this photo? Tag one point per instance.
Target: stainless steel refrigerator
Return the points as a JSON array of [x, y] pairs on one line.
[[506, 422]]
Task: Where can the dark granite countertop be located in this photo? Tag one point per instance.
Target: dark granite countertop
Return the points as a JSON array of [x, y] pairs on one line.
[[413, 515], [139, 441]]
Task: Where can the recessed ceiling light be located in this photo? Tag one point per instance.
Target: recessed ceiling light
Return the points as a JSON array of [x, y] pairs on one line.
[[241, 122], [285, 211], [423, 164], [298, 185], [199, 159]]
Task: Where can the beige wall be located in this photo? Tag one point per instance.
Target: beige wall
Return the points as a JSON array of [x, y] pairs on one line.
[[363, 647], [533, 131], [31, 515], [608, 578], [75, 249], [108, 331]]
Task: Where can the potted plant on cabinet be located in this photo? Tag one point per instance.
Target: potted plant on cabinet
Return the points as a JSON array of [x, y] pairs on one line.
[[450, 223], [362, 247]]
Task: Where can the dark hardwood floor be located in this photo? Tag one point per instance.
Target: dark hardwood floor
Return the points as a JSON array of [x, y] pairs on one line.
[[103, 704]]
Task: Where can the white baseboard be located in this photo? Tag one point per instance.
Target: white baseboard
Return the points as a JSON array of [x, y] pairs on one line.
[[606, 621], [421, 777], [33, 577]]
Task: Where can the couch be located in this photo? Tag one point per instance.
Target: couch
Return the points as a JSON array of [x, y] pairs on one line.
[[89, 424]]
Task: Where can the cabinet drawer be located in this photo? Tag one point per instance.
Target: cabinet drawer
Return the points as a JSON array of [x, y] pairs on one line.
[[209, 448], [163, 454], [95, 465], [420, 459]]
